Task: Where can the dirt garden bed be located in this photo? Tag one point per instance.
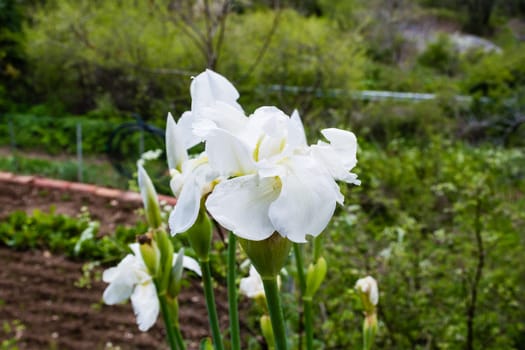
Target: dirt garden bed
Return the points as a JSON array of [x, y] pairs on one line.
[[43, 307]]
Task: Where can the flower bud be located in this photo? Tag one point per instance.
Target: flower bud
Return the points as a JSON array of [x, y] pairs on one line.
[[149, 198], [315, 276], [269, 255], [150, 253], [166, 258], [200, 235], [267, 331], [176, 274], [369, 293]]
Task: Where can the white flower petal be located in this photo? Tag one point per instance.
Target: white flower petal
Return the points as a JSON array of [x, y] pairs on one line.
[[185, 124], [368, 285], [306, 203], [228, 155], [121, 280], [241, 205], [190, 264], [219, 115], [186, 210], [252, 286], [296, 134], [338, 157], [209, 87], [175, 147], [145, 305]]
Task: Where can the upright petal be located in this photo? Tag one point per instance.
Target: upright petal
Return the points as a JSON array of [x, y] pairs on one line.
[[241, 205], [228, 155], [210, 87], [175, 145], [296, 134], [145, 305]]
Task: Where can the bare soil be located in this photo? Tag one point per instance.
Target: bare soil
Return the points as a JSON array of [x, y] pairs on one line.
[[38, 292]]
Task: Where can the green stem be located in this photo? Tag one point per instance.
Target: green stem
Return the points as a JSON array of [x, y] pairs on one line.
[[179, 339], [232, 295], [168, 323], [300, 266], [276, 312], [308, 318], [210, 305], [298, 253]]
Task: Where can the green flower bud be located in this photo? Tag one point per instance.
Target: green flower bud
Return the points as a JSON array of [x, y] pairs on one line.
[[176, 275], [166, 259], [315, 276], [149, 198], [150, 253], [269, 255], [200, 235], [267, 331]]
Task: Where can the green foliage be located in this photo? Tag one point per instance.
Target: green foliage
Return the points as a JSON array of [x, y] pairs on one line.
[[441, 56], [63, 234], [496, 75], [33, 132], [414, 227]]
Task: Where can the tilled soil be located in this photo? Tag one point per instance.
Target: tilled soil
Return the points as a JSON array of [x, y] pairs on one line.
[[42, 308]]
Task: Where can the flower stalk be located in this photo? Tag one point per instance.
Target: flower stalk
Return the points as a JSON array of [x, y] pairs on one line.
[[273, 300], [211, 306], [232, 294], [169, 324]]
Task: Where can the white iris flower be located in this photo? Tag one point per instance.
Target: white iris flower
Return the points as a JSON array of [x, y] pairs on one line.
[[130, 280], [261, 175]]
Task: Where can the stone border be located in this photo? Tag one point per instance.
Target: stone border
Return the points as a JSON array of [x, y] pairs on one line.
[[106, 192]]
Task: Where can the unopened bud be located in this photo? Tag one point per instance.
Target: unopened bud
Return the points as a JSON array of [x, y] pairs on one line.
[[150, 253], [149, 198], [176, 274], [369, 293], [166, 258], [267, 331], [315, 276]]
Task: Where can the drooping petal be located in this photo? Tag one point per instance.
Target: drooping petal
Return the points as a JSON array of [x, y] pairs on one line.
[[241, 205], [121, 280], [210, 87], [306, 203], [145, 305], [189, 263], [186, 210], [175, 147], [228, 155]]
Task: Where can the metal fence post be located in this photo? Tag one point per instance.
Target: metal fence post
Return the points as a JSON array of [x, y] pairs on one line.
[[79, 152]]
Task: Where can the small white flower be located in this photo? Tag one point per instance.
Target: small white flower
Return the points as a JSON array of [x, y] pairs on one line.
[[368, 286], [252, 286], [130, 280]]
